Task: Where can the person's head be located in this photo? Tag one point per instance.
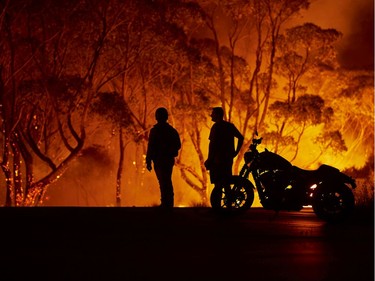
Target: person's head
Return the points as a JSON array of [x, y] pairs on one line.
[[217, 114], [161, 114]]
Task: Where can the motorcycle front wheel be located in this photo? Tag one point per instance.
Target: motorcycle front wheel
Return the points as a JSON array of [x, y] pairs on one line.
[[236, 195], [334, 203]]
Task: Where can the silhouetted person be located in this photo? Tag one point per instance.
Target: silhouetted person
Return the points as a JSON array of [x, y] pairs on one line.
[[163, 146], [222, 150]]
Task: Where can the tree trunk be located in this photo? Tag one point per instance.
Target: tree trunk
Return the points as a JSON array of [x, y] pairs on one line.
[[120, 168]]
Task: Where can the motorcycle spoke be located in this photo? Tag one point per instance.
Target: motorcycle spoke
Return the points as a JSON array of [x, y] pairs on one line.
[[234, 197]]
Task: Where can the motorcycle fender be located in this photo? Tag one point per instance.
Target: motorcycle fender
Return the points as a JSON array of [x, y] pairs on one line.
[[331, 175]]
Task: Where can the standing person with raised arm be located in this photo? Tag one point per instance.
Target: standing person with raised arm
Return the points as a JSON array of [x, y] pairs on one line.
[[222, 148]]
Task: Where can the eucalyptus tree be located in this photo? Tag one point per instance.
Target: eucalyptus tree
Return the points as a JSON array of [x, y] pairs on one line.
[[277, 15], [305, 51], [125, 105], [307, 110], [210, 13], [351, 94], [60, 56], [113, 108], [202, 80], [239, 23], [260, 23], [158, 59], [191, 114], [183, 81], [228, 23]]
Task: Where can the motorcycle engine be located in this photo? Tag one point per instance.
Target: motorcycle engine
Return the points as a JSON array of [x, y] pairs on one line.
[[274, 180], [274, 183], [279, 193]]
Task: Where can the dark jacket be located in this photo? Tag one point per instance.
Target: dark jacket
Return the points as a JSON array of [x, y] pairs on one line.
[[164, 143], [221, 147]]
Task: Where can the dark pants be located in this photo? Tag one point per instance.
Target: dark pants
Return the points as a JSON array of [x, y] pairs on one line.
[[221, 172], [163, 170], [220, 175]]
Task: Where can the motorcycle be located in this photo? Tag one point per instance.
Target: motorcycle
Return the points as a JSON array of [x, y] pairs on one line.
[[282, 186]]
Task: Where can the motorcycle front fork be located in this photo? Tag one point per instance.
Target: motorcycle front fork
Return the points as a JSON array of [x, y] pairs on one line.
[[228, 195], [231, 195]]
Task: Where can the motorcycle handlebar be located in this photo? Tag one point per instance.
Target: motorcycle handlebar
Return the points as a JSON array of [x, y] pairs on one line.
[[257, 141]]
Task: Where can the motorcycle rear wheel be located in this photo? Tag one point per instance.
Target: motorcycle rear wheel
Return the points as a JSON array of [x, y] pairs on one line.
[[239, 198], [334, 203]]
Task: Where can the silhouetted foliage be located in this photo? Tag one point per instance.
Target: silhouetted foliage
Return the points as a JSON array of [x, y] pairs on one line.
[[112, 106]]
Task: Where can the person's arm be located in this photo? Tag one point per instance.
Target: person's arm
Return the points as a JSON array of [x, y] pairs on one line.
[[240, 139], [150, 150], [208, 162], [210, 156], [178, 141]]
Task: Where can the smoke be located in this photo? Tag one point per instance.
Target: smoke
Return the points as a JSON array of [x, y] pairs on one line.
[[355, 19], [87, 182], [358, 47]]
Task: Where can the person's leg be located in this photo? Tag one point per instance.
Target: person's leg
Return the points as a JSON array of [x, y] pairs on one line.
[[164, 174], [221, 174], [226, 175]]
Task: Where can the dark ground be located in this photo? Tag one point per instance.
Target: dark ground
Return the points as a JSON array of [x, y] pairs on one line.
[[64, 243]]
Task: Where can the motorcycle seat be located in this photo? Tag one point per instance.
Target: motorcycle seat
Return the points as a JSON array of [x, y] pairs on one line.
[[303, 172]]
